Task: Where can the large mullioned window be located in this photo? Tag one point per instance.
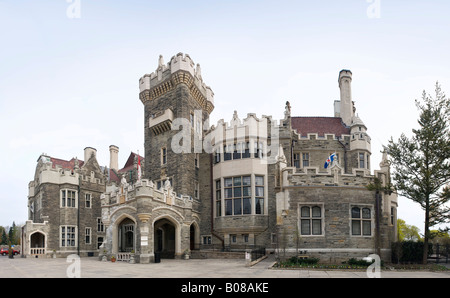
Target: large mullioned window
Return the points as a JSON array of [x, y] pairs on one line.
[[239, 195]]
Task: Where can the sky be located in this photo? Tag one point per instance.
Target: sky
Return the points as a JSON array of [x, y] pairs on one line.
[[69, 70]]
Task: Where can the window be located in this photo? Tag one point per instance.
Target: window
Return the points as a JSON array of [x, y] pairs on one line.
[[237, 151], [227, 152], [233, 238], [88, 235], [297, 160], [206, 240], [368, 161], [237, 192], [68, 198], [258, 149], [392, 215], [100, 226], [68, 236], [310, 220], [99, 242], [361, 161], [196, 190], [218, 198], [191, 119], [259, 194], [246, 150], [305, 158], [238, 195], [163, 156], [361, 221], [217, 156], [245, 238], [88, 200]]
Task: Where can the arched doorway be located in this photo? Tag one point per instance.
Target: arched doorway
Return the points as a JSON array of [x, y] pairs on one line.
[[126, 240], [37, 243], [165, 238]]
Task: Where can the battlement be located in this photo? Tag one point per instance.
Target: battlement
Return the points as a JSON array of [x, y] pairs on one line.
[[144, 189], [333, 176], [180, 69], [49, 173], [249, 127]]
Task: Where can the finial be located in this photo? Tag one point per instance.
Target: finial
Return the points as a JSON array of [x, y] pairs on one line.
[[160, 61], [199, 71], [287, 110]]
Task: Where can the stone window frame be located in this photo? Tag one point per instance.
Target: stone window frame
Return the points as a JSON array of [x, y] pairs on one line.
[[206, 239], [64, 233], [163, 156], [311, 218], [100, 225], [86, 200], [88, 235], [296, 157], [361, 219], [363, 160], [257, 193], [63, 199], [305, 160]]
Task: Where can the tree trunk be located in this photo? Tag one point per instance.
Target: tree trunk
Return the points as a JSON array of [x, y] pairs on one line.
[[426, 233]]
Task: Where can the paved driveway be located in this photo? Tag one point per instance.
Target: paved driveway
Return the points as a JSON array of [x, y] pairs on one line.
[[211, 268]]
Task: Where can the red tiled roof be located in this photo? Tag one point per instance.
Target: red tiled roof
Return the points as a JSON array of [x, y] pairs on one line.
[[113, 175], [64, 163], [319, 125]]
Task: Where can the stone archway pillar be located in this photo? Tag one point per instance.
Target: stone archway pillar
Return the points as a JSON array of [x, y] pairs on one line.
[[146, 252]]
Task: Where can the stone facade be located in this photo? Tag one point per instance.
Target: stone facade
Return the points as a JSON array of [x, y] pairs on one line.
[[234, 185], [64, 207]]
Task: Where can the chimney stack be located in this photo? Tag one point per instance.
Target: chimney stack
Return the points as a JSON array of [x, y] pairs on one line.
[[88, 151], [346, 104], [114, 157]]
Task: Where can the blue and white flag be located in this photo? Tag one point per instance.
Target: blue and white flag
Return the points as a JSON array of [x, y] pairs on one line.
[[329, 160]]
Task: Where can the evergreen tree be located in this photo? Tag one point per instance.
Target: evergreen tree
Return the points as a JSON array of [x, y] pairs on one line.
[[422, 164], [4, 238]]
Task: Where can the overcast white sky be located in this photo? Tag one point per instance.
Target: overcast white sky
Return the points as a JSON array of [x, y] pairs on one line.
[[69, 70]]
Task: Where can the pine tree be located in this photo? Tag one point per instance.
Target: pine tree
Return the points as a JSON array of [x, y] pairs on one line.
[[422, 164]]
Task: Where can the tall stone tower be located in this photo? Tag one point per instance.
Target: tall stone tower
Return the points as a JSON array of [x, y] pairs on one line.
[[176, 105]]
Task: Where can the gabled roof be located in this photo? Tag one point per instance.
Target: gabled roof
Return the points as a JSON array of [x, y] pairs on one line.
[[113, 175], [64, 163], [319, 125], [130, 162]]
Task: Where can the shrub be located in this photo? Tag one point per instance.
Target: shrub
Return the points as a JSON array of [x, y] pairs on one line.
[[355, 262], [303, 261], [408, 252]]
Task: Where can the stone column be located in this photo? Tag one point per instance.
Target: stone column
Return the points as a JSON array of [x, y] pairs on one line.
[[145, 255]]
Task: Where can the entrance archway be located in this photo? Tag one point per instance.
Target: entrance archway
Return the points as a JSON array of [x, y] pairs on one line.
[[165, 238], [126, 231]]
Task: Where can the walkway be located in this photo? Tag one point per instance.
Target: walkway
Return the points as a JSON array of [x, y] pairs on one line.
[[170, 268]]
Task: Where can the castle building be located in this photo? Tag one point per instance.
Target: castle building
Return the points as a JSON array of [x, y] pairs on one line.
[[300, 183]]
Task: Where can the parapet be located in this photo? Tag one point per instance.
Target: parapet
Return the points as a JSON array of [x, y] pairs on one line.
[[180, 69]]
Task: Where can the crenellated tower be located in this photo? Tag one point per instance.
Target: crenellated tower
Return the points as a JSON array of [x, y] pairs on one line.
[[177, 104]]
